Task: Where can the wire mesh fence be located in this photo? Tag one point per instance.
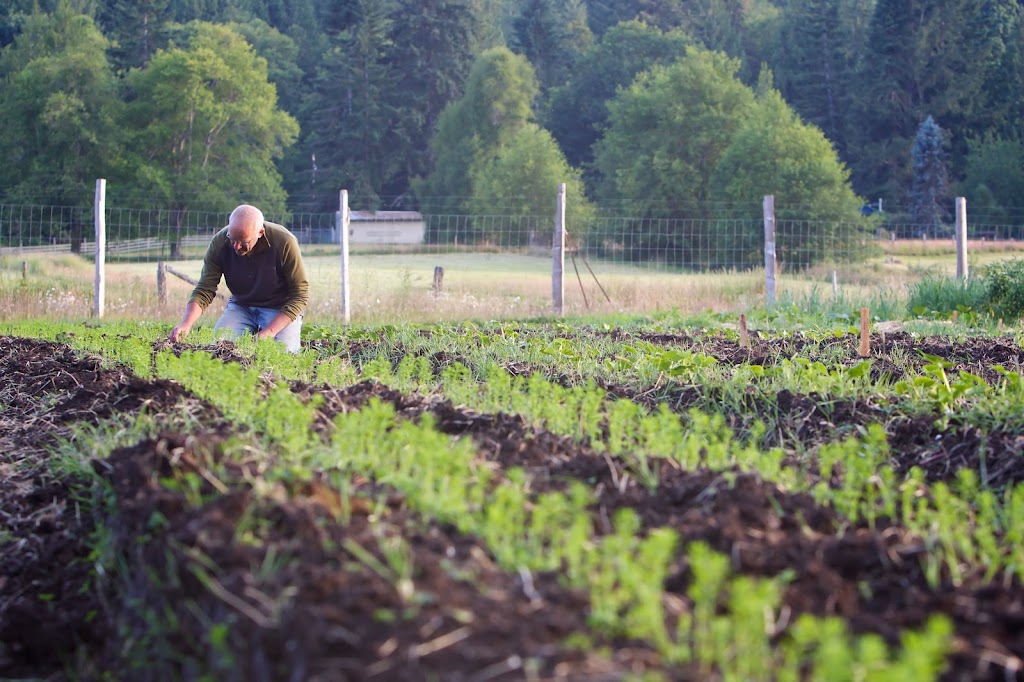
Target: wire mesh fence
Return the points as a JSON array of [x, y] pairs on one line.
[[404, 246]]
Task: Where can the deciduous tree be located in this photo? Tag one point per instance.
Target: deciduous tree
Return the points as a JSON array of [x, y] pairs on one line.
[[774, 152], [59, 110], [471, 130], [205, 127], [521, 179], [578, 111], [668, 130]]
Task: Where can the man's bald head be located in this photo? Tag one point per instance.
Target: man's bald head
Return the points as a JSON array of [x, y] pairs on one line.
[[245, 227]]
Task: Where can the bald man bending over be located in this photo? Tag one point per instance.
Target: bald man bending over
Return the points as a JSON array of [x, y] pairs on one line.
[[262, 267]]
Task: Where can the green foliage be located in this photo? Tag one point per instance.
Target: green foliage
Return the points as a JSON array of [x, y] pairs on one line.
[[551, 35], [521, 179], [136, 28], [350, 139], [773, 152], [939, 67], [667, 129], [204, 124], [941, 295], [578, 111], [819, 45], [59, 111], [995, 174], [928, 193], [1004, 283], [435, 47], [496, 105], [998, 293], [282, 53]]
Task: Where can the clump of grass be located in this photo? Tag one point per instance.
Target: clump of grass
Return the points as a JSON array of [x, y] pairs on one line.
[[944, 295], [1004, 286], [820, 303]]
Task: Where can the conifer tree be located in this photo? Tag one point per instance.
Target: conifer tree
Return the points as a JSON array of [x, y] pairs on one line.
[[137, 28], [928, 196]]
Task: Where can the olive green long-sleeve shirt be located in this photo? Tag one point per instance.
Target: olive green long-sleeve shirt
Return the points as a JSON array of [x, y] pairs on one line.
[[271, 275]]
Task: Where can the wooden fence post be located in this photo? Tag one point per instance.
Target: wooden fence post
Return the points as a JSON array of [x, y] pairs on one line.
[[558, 254], [161, 283], [24, 269], [344, 218], [99, 209], [961, 239], [769, 247], [438, 277]]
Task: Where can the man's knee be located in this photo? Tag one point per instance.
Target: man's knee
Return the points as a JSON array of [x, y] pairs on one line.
[[290, 335], [235, 321]]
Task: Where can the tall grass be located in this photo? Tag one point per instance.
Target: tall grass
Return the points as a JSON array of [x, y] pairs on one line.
[[399, 288], [944, 295]]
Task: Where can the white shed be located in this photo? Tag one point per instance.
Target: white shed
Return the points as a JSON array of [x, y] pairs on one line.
[[386, 227]]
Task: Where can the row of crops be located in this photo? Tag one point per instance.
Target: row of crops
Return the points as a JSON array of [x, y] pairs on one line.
[[651, 502]]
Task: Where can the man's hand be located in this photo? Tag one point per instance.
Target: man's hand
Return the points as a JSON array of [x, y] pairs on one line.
[[279, 322], [180, 332], [192, 313]]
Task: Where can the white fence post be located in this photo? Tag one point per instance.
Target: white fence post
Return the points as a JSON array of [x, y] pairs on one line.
[[343, 225], [99, 214], [961, 239], [558, 254], [769, 247]]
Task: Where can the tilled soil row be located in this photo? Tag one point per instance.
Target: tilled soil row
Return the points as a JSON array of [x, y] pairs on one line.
[[205, 575], [871, 577], [916, 440], [47, 606]]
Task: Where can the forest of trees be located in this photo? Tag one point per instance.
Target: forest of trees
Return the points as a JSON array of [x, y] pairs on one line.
[[668, 108]]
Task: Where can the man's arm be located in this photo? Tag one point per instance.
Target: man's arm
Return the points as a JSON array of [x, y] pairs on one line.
[[204, 292], [280, 321], [293, 271], [192, 312]]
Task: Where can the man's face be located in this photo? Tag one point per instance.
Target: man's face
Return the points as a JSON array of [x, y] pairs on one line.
[[243, 237]]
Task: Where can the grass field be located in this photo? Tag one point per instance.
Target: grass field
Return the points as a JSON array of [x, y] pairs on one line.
[[399, 287]]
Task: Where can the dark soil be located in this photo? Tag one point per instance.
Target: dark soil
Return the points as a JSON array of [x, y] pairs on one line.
[[301, 604], [283, 568]]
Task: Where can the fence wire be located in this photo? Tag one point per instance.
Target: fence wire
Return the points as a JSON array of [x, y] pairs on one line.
[[817, 251]]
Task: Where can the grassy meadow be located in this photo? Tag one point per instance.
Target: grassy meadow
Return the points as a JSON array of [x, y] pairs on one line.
[[388, 288]]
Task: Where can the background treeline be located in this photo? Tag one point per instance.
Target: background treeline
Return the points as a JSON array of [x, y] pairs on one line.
[[659, 108]]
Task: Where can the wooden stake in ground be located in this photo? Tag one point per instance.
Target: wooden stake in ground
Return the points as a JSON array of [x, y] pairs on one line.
[[865, 334], [744, 339], [161, 282], [24, 269], [438, 277]]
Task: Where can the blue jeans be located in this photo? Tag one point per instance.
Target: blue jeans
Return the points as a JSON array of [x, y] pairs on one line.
[[239, 319]]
